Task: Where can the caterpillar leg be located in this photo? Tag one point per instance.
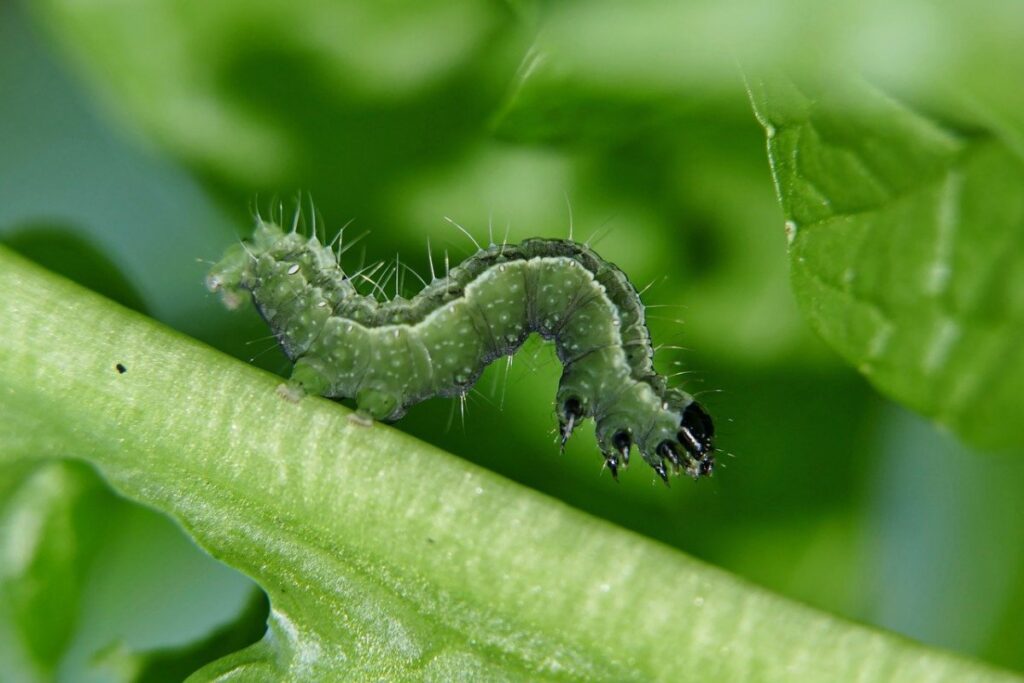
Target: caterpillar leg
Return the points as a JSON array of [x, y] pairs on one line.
[[377, 404], [615, 447], [360, 418], [615, 439], [290, 392], [306, 378], [571, 411]]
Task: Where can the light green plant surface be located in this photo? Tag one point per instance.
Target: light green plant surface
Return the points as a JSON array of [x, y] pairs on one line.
[[638, 114], [382, 556]]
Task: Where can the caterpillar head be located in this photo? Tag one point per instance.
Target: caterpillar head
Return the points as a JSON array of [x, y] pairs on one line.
[[694, 438], [671, 430], [677, 435]]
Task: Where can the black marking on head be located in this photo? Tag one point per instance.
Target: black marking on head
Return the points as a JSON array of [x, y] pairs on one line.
[[697, 420], [696, 434], [121, 369]]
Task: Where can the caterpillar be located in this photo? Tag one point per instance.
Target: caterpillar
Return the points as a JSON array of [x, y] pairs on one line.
[[389, 355]]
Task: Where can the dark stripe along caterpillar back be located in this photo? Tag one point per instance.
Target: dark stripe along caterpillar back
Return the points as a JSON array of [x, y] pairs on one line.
[[388, 355]]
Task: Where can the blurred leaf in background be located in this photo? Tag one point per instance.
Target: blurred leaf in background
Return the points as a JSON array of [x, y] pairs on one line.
[[397, 114], [52, 523]]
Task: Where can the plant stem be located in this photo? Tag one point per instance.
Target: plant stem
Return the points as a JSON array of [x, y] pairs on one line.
[[382, 555]]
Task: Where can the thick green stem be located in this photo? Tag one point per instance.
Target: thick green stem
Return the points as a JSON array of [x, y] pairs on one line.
[[384, 557]]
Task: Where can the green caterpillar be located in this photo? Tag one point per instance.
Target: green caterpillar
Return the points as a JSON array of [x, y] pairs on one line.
[[389, 355]]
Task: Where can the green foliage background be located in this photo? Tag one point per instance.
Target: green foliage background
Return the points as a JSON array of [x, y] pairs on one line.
[[137, 137]]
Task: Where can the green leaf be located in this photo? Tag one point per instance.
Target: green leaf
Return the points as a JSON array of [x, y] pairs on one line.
[[170, 665], [384, 557], [907, 249], [50, 528], [605, 69]]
